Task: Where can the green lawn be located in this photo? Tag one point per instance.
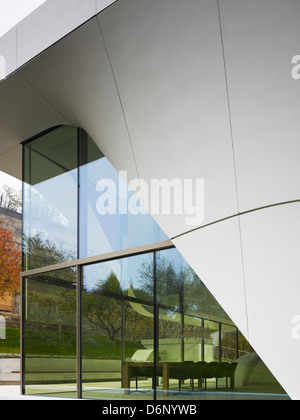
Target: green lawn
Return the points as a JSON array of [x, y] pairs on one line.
[[55, 343], [12, 342]]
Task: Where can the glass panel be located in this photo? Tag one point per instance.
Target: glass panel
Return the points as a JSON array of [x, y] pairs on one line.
[[117, 339], [194, 338], [139, 351], [170, 336], [212, 341], [253, 376], [198, 345], [198, 300], [50, 199], [112, 217], [103, 277], [131, 276], [170, 278], [50, 333], [101, 345], [138, 277], [229, 349]]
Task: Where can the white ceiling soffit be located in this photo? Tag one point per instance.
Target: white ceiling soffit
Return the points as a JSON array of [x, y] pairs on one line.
[[75, 76], [23, 110]]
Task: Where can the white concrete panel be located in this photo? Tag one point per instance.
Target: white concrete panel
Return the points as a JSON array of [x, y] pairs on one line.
[[168, 63], [14, 11], [260, 38], [76, 77], [49, 23], [24, 113], [103, 4], [271, 244], [8, 50], [214, 252]]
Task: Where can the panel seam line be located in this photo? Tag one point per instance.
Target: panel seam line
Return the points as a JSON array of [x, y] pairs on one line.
[[119, 96], [44, 98], [233, 156], [235, 215]]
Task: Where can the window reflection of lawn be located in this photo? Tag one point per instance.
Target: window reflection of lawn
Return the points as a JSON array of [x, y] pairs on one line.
[[55, 343]]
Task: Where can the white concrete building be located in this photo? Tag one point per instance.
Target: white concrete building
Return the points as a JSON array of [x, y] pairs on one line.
[[193, 89]]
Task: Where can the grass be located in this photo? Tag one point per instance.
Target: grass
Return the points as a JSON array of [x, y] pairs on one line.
[[11, 344], [55, 343]]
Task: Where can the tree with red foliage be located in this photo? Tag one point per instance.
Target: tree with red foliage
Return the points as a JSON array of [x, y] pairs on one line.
[[10, 263]]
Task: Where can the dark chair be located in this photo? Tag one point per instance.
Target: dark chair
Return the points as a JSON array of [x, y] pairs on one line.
[[197, 373], [209, 371], [158, 373], [221, 372], [139, 372], [230, 373], [189, 366], [180, 372]]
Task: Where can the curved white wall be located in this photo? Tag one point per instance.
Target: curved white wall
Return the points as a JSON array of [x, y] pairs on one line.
[[178, 124], [215, 254], [147, 81], [260, 39], [271, 249], [251, 265]]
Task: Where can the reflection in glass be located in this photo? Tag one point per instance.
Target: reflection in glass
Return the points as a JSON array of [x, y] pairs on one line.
[[170, 278], [117, 338], [103, 277], [252, 374], [108, 220], [138, 277], [50, 333], [139, 373], [50, 198], [101, 345], [196, 346], [128, 276]]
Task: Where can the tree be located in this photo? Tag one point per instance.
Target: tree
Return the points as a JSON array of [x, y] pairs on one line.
[[10, 263], [104, 311], [41, 253], [11, 199]]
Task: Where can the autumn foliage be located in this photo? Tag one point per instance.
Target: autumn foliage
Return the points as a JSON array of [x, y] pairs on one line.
[[10, 263]]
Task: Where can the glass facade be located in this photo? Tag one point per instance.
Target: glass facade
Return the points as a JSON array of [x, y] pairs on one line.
[[110, 309], [50, 198], [49, 330], [109, 220]]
